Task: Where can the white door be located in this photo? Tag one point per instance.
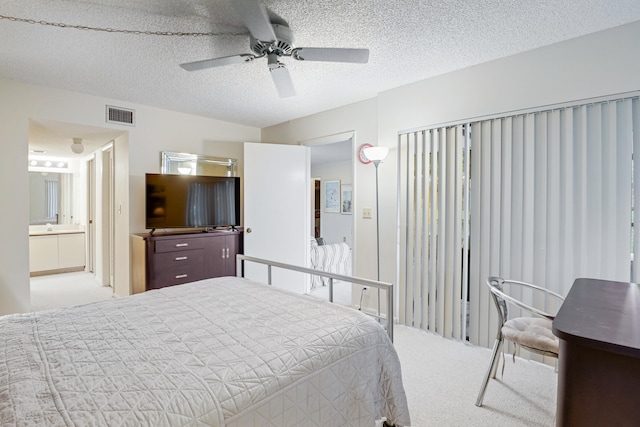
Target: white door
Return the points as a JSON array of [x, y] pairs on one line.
[[91, 214], [276, 211]]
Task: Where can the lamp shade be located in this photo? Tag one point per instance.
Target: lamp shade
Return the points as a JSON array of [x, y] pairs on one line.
[[376, 153]]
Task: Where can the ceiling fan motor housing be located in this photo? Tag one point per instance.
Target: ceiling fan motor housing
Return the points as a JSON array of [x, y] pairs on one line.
[[283, 45]]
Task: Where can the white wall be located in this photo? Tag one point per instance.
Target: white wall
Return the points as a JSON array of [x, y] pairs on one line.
[[156, 130], [334, 227], [599, 64], [122, 283]]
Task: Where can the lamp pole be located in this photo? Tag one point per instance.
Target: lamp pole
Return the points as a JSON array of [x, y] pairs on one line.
[[376, 163], [376, 155]]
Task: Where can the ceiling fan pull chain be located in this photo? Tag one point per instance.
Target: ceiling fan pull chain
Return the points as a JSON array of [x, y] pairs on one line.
[[116, 30]]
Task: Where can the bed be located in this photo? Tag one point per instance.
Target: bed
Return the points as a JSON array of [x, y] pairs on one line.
[[332, 257], [218, 352]]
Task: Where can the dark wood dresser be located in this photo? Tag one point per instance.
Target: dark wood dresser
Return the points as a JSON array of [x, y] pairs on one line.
[[175, 258]]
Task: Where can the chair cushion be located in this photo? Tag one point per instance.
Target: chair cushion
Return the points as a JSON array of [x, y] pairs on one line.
[[534, 332]]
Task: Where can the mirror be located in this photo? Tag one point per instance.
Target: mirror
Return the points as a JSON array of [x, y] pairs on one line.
[[195, 164], [50, 198]]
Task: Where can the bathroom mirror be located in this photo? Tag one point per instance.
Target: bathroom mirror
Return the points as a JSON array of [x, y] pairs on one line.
[[50, 198], [195, 164]]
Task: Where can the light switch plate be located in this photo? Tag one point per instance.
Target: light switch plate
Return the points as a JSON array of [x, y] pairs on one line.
[[366, 213]]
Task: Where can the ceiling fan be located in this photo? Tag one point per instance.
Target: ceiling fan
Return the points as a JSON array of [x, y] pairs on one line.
[[273, 40]]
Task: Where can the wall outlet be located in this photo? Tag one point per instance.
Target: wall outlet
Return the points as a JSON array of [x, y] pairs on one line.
[[366, 213]]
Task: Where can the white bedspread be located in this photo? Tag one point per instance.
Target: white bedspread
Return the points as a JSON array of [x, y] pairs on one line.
[[220, 352]]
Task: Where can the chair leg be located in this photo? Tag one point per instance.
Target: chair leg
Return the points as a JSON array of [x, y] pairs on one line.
[[497, 359], [491, 371]]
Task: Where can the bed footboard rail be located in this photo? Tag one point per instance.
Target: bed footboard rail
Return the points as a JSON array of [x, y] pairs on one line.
[[388, 287]]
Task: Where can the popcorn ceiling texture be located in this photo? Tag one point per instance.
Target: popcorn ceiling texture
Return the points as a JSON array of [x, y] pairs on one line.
[[409, 40]]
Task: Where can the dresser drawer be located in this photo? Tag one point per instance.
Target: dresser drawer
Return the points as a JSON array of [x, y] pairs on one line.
[[171, 245], [177, 258], [174, 268]]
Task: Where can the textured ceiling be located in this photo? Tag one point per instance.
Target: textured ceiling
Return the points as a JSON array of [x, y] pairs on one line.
[[409, 40]]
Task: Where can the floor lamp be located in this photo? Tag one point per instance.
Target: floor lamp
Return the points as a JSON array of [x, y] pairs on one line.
[[377, 155]]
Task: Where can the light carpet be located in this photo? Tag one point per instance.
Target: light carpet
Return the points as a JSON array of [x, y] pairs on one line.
[[441, 376], [66, 289]]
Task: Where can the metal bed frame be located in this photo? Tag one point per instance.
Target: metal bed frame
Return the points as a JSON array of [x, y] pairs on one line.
[[388, 287]]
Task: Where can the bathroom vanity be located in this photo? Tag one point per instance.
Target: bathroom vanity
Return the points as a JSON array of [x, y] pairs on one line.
[[56, 249]]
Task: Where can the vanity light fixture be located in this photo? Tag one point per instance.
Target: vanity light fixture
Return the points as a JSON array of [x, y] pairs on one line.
[[49, 163]]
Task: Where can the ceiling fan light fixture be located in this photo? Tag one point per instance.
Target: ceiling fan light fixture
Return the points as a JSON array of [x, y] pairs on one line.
[[271, 36], [77, 146]]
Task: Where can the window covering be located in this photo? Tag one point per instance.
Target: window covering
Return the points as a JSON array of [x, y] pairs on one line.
[[545, 197]]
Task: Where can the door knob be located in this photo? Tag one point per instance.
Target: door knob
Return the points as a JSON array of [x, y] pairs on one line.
[[248, 230]]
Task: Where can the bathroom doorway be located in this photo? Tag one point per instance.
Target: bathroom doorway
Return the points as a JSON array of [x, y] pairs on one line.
[[80, 237]]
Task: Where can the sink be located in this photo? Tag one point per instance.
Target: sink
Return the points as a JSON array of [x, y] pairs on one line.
[[55, 229]]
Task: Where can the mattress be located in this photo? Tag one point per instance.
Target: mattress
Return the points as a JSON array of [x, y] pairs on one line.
[[219, 352]]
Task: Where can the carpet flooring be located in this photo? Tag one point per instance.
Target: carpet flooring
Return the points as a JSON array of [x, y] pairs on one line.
[[442, 378], [66, 289]]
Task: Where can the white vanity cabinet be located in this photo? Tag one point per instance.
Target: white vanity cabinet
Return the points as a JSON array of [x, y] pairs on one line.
[[71, 250], [43, 253], [64, 251]]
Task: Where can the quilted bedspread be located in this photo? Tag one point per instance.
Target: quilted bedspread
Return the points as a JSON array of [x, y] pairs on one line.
[[220, 352]]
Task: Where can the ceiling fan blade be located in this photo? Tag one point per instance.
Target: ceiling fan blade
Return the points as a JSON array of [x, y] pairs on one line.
[[217, 62], [282, 80], [254, 15], [329, 54]]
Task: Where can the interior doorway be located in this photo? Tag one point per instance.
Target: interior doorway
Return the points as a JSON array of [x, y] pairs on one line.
[[107, 226], [332, 172], [332, 220], [87, 155], [316, 211]]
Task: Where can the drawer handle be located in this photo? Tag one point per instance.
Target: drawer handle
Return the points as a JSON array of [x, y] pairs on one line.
[[181, 276], [180, 245], [181, 258]]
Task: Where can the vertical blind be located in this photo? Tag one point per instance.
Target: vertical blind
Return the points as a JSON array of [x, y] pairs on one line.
[[52, 192], [67, 196], [433, 207], [545, 197]]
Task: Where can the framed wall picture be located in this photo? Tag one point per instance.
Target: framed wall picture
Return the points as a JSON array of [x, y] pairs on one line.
[[332, 196], [347, 200]]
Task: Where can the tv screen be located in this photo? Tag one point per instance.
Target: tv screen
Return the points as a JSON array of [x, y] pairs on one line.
[[193, 201]]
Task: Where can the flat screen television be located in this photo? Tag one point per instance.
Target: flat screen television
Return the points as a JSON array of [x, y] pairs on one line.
[[191, 201]]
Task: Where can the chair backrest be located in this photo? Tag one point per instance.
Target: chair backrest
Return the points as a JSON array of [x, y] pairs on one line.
[[497, 284], [501, 298]]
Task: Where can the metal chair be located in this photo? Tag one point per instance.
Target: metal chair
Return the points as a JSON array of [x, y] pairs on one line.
[[532, 333]]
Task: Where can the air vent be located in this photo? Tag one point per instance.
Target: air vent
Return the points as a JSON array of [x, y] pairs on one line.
[[121, 116]]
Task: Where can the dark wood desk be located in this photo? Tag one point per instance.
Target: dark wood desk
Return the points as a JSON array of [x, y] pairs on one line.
[[599, 362]]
